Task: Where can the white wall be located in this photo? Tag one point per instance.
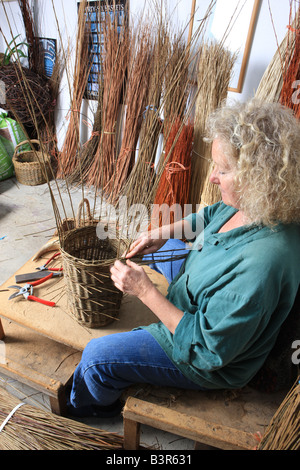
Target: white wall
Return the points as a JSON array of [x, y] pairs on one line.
[[11, 11], [264, 43], [271, 26]]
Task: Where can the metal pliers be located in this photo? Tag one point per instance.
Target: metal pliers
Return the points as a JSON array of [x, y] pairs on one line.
[[45, 266], [27, 291]]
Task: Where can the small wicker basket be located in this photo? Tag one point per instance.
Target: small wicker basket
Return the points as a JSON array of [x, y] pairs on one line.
[[32, 167], [93, 300]]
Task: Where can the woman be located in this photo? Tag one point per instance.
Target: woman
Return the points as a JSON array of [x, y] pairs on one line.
[[227, 300]]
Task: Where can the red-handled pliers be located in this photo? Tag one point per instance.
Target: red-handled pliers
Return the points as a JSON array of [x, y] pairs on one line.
[[27, 291], [45, 266]]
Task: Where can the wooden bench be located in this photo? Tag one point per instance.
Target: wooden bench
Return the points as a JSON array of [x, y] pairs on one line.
[[229, 420]]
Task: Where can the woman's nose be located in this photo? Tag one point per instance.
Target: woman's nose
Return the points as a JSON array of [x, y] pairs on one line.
[[213, 177]]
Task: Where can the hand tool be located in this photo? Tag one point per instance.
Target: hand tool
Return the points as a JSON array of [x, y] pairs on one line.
[[27, 291], [43, 272], [45, 266]]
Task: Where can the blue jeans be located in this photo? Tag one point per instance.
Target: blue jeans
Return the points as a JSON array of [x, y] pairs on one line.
[[112, 363], [173, 251]]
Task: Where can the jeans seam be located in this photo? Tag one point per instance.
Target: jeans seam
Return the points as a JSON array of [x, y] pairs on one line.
[[131, 363]]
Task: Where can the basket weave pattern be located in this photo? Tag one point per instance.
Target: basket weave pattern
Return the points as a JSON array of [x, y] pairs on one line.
[[31, 166], [93, 300]]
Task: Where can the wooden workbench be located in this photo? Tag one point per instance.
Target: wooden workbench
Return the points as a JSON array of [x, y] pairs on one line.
[[42, 345]]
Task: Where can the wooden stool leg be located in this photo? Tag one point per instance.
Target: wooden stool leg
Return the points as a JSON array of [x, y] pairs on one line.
[[131, 434], [1, 330], [59, 404]]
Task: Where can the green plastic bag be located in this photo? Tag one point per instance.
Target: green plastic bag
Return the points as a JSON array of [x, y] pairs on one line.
[[11, 134]]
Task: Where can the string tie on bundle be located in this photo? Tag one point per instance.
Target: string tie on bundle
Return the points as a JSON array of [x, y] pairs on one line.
[[72, 111], [93, 134], [293, 30], [172, 170], [10, 416]]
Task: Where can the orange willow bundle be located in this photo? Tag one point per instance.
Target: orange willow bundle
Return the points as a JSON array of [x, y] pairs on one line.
[[287, 95], [135, 103], [174, 184]]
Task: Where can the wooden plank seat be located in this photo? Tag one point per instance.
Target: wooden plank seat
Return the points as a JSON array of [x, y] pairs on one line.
[[229, 420]]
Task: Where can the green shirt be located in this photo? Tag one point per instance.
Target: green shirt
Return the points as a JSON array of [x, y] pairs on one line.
[[235, 293]]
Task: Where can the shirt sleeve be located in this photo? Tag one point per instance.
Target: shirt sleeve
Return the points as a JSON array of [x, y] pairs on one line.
[[218, 332]]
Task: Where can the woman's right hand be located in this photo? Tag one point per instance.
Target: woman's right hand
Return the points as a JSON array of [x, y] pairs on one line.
[[147, 242]]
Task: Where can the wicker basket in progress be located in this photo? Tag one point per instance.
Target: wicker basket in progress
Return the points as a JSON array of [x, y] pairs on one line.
[[31, 166], [93, 300]]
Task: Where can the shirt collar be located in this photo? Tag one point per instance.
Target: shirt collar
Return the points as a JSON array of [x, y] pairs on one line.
[[232, 237]]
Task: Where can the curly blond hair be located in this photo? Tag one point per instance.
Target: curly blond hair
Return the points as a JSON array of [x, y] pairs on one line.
[[263, 141]]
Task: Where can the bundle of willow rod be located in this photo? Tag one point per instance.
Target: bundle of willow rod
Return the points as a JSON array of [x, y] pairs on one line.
[[137, 89], [283, 431], [151, 123], [214, 72], [30, 428], [87, 151], [174, 183], [67, 158], [151, 128], [176, 82], [271, 83], [292, 73], [173, 78], [211, 193], [115, 63]]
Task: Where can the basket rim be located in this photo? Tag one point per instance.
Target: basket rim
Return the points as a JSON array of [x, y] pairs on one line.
[[40, 155], [81, 261], [18, 158]]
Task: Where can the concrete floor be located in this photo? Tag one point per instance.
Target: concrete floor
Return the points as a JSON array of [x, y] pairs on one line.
[[26, 223]]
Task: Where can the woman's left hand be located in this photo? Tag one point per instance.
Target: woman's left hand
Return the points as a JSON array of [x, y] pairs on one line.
[[130, 278]]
